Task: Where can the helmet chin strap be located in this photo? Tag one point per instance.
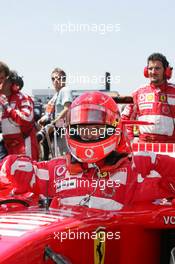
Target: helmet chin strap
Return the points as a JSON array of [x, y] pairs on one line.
[[73, 155]]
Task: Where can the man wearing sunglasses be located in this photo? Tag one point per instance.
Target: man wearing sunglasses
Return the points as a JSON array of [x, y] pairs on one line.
[[57, 107]]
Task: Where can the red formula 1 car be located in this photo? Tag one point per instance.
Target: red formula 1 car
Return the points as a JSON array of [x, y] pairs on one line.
[[33, 231]]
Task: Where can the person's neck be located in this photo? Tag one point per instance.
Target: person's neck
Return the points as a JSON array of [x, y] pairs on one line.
[[7, 92], [164, 82]]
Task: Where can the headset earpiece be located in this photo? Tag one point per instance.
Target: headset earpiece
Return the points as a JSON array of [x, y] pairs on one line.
[[168, 72], [145, 72]]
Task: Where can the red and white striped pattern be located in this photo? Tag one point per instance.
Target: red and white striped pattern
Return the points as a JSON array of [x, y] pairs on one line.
[[161, 148], [18, 224]]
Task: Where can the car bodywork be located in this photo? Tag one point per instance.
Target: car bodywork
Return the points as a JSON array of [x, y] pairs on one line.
[[141, 233]]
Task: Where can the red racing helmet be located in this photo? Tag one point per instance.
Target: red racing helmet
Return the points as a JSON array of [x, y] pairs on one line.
[[93, 108]]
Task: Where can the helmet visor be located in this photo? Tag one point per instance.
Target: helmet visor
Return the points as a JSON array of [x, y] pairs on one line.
[[91, 114]]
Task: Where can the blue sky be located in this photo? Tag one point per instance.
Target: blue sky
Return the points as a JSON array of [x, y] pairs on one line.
[[31, 43]]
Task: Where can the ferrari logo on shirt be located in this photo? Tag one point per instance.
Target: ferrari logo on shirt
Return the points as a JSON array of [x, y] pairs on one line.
[[115, 123], [102, 174], [163, 98], [150, 97]]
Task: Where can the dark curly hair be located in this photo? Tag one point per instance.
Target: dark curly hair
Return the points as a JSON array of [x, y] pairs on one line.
[[14, 78], [158, 57]]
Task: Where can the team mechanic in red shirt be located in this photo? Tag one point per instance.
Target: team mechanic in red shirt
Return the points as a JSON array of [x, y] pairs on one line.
[[98, 172], [18, 126], [154, 102]]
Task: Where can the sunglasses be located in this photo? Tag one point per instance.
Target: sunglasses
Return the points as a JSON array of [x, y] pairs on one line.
[[56, 78]]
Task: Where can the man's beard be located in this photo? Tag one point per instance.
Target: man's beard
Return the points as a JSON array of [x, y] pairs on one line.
[[157, 81]]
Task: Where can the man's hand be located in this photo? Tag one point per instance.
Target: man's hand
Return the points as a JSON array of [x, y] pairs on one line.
[[4, 101], [41, 121]]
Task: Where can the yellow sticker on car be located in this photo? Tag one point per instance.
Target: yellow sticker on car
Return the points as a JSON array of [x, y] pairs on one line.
[[99, 247]]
